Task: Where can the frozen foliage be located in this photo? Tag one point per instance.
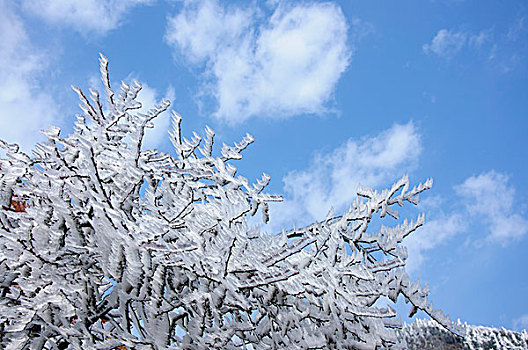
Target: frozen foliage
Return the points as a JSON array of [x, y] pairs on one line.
[[113, 246], [426, 334]]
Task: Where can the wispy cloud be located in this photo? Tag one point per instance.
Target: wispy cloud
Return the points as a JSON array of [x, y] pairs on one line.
[[268, 66], [520, 323], [509, 52], [86, 16], [448, 43], [516, 28], [501, 48], [434, 233], [491, 200], [25, 106], [150, 97], [332, 178], [484, 202]]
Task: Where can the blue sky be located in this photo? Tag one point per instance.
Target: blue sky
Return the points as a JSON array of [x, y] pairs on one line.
[[335, 93]]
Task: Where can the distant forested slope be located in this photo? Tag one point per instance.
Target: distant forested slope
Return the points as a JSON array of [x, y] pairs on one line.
[[427, 334]]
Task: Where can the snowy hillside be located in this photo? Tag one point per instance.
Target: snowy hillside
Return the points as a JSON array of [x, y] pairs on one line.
[[427, 334]]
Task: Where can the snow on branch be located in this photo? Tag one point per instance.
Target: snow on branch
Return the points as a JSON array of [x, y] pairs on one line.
[[105, 244]]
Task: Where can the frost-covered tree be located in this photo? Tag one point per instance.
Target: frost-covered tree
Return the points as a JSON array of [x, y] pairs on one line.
[[106, 245]]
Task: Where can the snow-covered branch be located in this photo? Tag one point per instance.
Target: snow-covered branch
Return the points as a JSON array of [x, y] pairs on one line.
[[105, 244]]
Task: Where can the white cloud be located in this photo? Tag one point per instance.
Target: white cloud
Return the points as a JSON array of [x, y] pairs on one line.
[[487, 199], [331, 180], [521, 323], [275, 66], [448, 43], [25, 107], [203, 28], [434, 233], [95, 16], [490, 199], [149, 97]]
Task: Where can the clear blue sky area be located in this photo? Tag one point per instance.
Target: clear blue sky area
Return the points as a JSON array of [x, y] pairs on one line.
[[336, 94]]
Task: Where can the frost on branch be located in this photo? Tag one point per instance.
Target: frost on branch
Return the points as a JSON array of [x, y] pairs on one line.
[[114, 246]]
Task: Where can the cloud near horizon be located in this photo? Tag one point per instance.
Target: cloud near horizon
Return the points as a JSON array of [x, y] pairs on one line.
[[268, 66], [520, 323]]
